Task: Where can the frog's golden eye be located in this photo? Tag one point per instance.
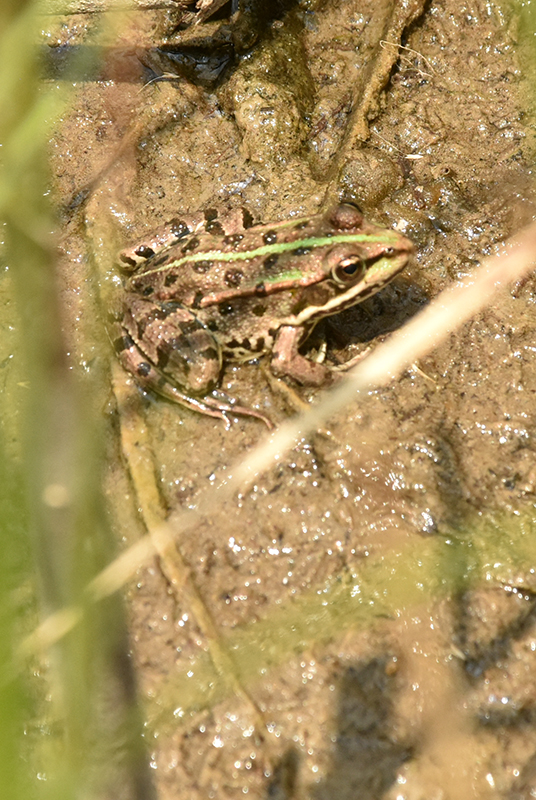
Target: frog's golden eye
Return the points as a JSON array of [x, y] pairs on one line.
[[348, 271]]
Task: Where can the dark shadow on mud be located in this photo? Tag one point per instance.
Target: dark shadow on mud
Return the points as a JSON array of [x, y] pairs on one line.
[[202, 56], [366, 754]]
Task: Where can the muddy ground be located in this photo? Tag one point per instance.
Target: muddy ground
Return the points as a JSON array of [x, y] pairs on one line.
[[382, 692]]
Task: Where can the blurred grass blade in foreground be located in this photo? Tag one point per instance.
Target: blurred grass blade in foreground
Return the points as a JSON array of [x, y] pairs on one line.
[[85, 737]]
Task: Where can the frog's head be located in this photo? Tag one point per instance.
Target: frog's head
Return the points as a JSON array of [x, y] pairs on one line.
[[368, 251], [357, 260]]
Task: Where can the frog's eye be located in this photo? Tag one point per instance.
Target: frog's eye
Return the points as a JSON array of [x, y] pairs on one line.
[[348, 271]]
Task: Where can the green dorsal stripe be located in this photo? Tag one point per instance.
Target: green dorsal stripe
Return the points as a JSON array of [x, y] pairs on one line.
[[388, 238]]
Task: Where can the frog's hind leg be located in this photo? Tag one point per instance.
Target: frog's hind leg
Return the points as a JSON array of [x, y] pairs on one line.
[[150, 378], [169, 351]]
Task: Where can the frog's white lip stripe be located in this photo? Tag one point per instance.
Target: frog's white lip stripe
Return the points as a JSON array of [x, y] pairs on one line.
[[355, 294]]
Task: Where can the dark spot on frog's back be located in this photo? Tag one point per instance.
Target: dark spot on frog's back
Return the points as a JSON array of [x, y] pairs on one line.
[[202, 267], [215, 228], [144, 251], [270, 237], [233, 277], [234, 344], [170, 279], [147, 291], [270, 261], [123, 343], [179, 228], [191, 245], [260, 289], [247, 218], [225, 308]]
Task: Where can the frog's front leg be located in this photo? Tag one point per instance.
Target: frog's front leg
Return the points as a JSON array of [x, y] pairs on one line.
[[286, 360]]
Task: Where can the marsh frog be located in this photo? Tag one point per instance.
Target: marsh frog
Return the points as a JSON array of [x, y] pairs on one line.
[[202, 291]]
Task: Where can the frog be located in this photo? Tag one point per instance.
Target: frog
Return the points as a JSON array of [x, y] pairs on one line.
[[208, 289]]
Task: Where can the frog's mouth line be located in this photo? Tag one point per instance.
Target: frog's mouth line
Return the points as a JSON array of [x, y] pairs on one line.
[[372, 283]]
